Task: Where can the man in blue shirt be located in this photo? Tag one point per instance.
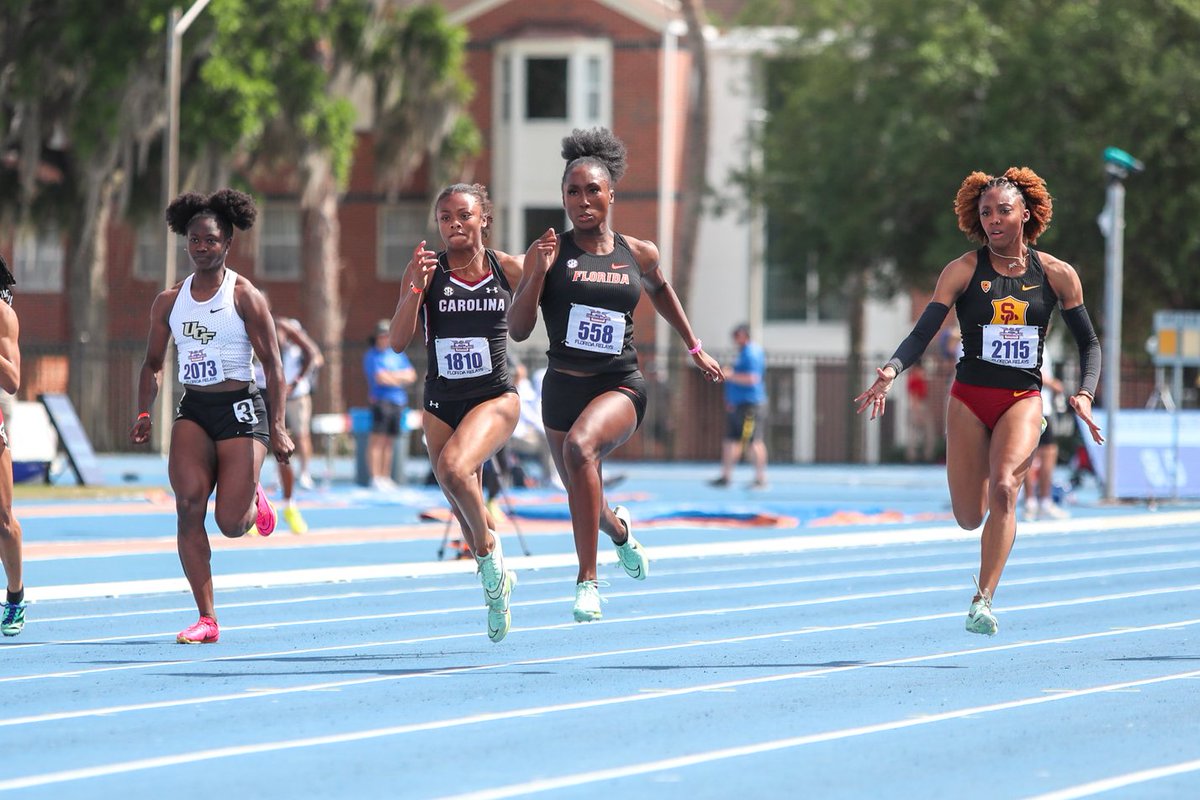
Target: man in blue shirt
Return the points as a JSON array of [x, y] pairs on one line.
[[388, 375], [745, 401]]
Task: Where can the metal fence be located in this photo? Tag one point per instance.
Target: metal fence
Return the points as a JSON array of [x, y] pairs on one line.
[[810, 407]]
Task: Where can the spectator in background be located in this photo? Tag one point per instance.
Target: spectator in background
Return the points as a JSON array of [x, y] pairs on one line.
[[389, 375], [301, 360], [300, 357], [529, 439], [1039, 481], [745, 400], [922, 422]]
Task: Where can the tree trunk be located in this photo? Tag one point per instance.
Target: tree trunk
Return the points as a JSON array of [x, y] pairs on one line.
[[694, 184], [87, 295], [322, 268], [695, 166], [856, 317]]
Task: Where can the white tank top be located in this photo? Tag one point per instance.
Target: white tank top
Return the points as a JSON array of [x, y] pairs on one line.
[[210, 337]]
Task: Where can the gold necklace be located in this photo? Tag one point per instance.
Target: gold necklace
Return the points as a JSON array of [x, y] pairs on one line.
[[466, 266], [1016, 262]]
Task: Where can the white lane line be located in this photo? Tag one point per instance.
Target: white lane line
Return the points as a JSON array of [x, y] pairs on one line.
[[638, 593], [327, 685], [195, 756], [789, 604], [723, 549], [1120, 781], [708, 572], [707, 757]]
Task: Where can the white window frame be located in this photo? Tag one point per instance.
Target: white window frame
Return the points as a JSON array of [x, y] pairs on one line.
[[149, 259], [39, 260], [402, 225], [270, 236]]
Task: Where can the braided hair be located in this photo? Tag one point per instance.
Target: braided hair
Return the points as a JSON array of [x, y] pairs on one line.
[[7, 281], [229, 208], [1029, 187], [594, 147]]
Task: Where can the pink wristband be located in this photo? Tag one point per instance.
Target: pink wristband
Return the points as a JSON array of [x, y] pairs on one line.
[[696, 349]]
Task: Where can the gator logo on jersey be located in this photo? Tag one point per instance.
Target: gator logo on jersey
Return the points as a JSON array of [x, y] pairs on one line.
[[194, 330], [1009, 311], [986, 286]]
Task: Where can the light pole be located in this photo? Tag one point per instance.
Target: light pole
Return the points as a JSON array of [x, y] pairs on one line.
[[177, 25], [1117, 165]]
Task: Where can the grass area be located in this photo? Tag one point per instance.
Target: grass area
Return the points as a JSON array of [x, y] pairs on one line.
[[44, 491]]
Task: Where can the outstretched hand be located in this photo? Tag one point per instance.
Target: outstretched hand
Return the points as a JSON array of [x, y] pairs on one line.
[[708, 365], [1082, 405], [420, 266], [140, 432], [544, 249], [282, 445], [876, 395]]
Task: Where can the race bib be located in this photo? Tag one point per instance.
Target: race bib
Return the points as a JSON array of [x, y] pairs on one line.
[[596, 329], [200, 367], [1011, 345], [463, 358], [243, 411]]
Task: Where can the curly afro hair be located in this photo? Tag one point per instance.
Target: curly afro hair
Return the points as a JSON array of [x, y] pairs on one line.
[[476, 190], [1027, 184], [229, 207], [598, 146]]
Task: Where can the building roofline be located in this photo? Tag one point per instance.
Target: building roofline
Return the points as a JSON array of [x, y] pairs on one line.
[[656, 15]]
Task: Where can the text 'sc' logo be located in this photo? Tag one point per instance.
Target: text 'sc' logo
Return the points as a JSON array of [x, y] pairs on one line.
[[1009, 311], [194, 330]]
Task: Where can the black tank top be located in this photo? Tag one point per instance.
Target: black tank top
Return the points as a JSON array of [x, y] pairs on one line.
[[466, 333], [588, 302], [1003, 322]]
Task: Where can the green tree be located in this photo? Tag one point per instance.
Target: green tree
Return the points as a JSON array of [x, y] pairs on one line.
[[79, 113], [292, 64], [885, 106]]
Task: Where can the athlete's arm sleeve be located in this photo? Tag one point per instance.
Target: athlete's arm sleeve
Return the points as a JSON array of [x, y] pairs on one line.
[[922, 334], [1080, 325]]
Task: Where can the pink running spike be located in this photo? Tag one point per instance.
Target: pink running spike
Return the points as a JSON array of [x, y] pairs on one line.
[[265, 520], [205, 631]]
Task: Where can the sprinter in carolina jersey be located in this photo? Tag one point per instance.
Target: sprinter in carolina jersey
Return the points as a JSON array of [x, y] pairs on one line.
[[459, 298]]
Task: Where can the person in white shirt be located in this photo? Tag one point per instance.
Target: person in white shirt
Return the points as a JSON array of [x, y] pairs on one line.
[[222, 431]]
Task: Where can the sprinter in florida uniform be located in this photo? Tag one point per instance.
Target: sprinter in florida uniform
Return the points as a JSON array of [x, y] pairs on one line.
[[222, 430], [460, 298], [1003, 294], [587, 283]]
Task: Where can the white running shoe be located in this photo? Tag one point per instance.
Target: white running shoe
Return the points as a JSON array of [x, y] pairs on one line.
[[1052, 510], [980, 618], [631, 554], [587, 601], [498, 584]]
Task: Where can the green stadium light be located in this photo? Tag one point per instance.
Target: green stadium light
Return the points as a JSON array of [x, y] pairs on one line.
[[1119, 164]]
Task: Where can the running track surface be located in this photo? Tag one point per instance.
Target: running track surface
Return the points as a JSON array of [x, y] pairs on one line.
[[810, 661]]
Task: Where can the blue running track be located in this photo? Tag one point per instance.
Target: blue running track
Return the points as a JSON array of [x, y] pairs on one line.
[[825, 658]]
